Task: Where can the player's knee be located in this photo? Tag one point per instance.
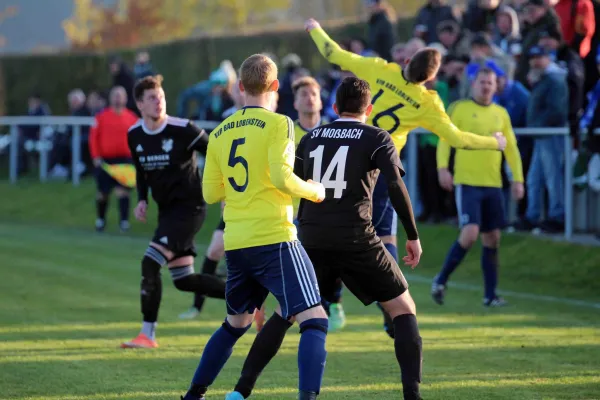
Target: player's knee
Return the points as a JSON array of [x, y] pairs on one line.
[[216, 250], [121, 192], [491, 239], [182, 278], [317, 312], [403, 304], [101, 196], [468, 235], [239, 321]]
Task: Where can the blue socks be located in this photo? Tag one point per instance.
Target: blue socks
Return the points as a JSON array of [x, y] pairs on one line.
[[312, 354], [216, 353], [489, 266], [453, 259], [393, 250]]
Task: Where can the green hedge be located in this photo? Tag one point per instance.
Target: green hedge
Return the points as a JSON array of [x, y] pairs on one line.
[[182, 64]]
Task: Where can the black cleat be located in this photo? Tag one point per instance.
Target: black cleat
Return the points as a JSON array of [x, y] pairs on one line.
[[438, 292]]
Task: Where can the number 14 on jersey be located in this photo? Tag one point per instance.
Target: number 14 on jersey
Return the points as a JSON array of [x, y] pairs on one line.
[[337, 164]]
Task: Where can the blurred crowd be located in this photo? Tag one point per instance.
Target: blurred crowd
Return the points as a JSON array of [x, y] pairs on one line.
[[544, 52]]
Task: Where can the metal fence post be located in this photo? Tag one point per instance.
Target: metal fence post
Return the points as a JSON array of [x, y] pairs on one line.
[[412, 164], [568, 187], [75, 154], [42, 149], [14, 154]]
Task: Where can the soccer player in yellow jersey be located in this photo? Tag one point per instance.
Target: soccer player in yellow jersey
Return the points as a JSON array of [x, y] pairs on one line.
[[400, 104], [478, 185], [249, 166]]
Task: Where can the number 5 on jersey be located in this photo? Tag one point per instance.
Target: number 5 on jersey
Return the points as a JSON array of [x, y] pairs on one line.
[[235, 160], [337, 164]]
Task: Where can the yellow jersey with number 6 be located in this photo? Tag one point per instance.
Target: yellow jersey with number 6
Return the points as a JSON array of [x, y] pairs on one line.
[[399, 106], [249, 165]]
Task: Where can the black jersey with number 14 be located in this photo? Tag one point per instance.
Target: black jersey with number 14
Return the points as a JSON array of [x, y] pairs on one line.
[[165, 162], [344, 156]]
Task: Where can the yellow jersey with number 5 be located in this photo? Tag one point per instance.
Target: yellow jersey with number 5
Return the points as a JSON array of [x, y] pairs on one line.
[[399, 106], [249, 165]]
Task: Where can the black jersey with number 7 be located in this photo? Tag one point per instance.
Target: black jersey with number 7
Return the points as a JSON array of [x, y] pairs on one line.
[[345, 156]]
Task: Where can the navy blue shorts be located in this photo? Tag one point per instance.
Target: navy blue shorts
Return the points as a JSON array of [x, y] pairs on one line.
[[106, 183], [282, 269], [482, 206], [385, 219]]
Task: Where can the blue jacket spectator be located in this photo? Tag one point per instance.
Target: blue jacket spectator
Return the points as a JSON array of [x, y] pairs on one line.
[[202, 94], [513, 96], [428, 18], [548, 107], [143, 67]]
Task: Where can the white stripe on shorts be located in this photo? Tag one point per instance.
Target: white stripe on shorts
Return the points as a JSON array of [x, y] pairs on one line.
[[297, 269], [304, 271]]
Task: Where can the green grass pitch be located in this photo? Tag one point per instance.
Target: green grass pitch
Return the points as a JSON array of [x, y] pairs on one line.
[[69, 297]]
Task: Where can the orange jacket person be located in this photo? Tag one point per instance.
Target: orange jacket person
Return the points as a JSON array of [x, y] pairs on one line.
[[108, 146]]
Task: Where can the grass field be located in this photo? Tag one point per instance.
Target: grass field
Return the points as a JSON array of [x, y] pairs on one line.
[[69, 297]]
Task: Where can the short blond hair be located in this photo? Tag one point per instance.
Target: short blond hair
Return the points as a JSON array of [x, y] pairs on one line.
[[257, 73], [305, 81]]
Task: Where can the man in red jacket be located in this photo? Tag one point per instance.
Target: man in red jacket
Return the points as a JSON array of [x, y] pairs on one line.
[[577, 23], [108, 145]]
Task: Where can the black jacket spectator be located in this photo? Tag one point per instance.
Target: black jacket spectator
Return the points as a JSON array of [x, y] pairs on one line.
[[381, 35], [539, 18], [122, 76], [481, 15], [428, 18]]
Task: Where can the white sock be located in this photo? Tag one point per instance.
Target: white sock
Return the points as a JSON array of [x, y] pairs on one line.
[[149, 329]]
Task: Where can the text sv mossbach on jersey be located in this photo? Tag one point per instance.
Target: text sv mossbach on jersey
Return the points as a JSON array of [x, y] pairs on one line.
[[331, 133]]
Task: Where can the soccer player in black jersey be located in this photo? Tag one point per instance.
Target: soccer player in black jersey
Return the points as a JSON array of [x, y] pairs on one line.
[[347, 156], [163, 150]]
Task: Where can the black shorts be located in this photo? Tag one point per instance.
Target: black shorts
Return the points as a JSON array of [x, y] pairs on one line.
[[177, 228], [106, 183], [221, 226], [372, 275]]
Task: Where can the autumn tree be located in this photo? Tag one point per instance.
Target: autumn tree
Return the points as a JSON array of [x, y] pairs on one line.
[[8, 12], [135, 23]]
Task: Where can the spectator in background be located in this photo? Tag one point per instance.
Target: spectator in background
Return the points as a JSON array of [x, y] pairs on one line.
[[95, 102], [398, 53], [290, 63], [61, 151], [359, 46], [484, 53], [210, 97], [452, 72], [577, 23], [404, 52], [432, 196], [36, 107], [455, 40], [568, 59], [548, 107], [538, 18], [143, 66], [238, 102], [123, 77], [514, 97], [507, 32], [108, 145], [481, 16], [380, 28], [429, 17], [590, 121]]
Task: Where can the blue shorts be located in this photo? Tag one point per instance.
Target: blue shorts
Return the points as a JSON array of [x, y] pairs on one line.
[[482, 206], [282, 269], [385, 219]]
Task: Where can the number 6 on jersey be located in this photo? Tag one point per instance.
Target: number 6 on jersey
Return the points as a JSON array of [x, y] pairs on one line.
[[338, 163]]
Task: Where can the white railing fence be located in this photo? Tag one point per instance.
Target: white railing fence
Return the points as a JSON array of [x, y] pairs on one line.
[[43, 147]]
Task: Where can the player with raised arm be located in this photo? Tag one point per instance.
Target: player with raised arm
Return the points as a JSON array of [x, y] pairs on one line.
[[164, 153], [249, 166], [346, 157], [401, 103], [478, 185]]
